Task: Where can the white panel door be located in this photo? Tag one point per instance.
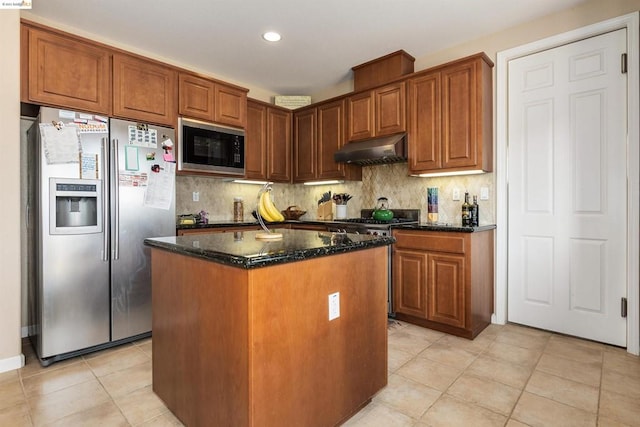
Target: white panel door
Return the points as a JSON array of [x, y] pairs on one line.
[[567, 178]]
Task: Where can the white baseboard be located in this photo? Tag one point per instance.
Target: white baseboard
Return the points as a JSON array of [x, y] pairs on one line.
[[11, 363], [24, 332]]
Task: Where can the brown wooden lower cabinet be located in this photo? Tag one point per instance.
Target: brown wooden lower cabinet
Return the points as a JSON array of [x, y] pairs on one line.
[[238, 347], [444, 280]]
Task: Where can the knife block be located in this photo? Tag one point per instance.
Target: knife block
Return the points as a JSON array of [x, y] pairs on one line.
[[325, 211]]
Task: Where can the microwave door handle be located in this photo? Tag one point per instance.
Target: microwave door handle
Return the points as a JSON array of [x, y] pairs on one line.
[[105, 200], [115, 199]]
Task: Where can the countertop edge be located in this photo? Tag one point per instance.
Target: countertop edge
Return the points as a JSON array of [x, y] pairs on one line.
[[267, 260], [421, 226]]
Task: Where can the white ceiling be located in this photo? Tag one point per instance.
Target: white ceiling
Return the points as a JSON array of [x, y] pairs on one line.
[[321, 39]]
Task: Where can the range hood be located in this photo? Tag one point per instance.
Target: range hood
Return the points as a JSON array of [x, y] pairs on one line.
[[376, 151]]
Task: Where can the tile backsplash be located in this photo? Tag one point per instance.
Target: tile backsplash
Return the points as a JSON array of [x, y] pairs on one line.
[[391, 181]]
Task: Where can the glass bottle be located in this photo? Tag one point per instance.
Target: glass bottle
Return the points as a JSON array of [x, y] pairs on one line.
[[475, 212], [466, 211], [238, 209]]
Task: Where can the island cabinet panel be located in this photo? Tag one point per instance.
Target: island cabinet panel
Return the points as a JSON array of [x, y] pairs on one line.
[[201, 350], [66, 72], [237, 347], [268, 142], [144, 90], [196, 96], [444, 280], [450, 117], [378, 112]]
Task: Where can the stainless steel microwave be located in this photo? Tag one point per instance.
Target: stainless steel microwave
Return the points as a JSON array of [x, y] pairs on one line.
[[205, 147]]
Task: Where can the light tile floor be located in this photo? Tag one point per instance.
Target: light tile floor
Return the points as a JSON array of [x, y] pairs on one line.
[[508, 376]]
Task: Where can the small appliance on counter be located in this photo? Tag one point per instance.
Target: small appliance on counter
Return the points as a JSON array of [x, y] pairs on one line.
[[192, 219]]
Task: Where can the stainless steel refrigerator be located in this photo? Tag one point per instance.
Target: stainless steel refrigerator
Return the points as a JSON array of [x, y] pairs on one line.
[[97, 188]]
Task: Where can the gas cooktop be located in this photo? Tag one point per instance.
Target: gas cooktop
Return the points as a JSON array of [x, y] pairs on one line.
[[400, 216], [377, 221]]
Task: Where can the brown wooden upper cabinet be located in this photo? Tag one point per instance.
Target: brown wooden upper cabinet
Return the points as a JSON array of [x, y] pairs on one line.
[[209, 100], [378, 112], [305, 147], [144, 90], [318, 133], [195, 97], [230, 105], [65, 72], [268, 142], [450, 117]]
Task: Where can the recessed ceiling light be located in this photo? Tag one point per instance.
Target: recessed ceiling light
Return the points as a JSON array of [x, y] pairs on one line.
[[271, 36]]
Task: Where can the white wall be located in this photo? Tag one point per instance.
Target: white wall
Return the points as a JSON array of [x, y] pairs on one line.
[[10, 346]]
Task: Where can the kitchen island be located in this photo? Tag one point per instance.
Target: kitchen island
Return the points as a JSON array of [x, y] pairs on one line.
[[241, 329]]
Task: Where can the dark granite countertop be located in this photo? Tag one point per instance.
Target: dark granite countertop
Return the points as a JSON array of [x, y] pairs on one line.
[[243, 250], [230, 223], [422, 226], [426, 226]]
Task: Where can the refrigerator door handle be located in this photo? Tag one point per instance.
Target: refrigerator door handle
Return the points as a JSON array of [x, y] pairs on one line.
[[105, 201], [115, 179]]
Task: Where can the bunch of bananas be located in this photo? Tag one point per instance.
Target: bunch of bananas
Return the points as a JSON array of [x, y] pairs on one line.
[[267, 210]]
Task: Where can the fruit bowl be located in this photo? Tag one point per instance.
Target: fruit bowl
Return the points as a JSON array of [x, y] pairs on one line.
[[293, 213]]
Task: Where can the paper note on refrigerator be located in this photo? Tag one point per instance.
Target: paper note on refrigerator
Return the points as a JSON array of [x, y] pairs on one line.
[[61, 144], [159, 193]]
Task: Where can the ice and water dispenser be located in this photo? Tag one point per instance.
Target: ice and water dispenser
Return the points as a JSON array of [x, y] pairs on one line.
[[75, 206]]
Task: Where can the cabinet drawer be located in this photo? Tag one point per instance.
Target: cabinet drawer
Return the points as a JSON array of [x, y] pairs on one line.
[[431, 241]]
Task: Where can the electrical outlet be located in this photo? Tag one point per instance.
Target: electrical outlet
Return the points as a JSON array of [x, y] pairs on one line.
[[196, 196], [484, 193], [456, 194], [334, 306]]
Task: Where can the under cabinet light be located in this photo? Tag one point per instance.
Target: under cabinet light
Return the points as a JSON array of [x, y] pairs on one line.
[[454, 173], [249, 181], [334, 181]]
